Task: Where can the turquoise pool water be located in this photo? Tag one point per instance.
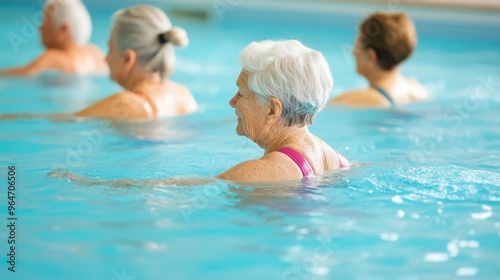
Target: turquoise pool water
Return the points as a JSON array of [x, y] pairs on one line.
[[421, 202]]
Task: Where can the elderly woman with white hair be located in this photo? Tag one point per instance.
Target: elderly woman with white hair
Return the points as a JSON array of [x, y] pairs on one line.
[[281, 88], [65, 32]]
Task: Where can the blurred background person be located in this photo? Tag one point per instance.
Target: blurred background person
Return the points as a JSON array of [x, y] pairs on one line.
[[384, 41], [141, 57], [65, 32]]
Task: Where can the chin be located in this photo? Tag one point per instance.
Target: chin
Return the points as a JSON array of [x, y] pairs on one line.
[[358, 71], [112, 77], [240, 131], [44, 43], [361, 73]]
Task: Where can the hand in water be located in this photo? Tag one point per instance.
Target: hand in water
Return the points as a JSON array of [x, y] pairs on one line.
[[58, 173]]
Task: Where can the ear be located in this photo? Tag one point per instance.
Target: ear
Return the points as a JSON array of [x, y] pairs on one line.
[[64, 30], [275, 109], [372, 58], [130, 59]]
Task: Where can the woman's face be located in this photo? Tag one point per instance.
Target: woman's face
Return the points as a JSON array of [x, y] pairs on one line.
[[364, 61], [49, 34], [115, 60], [250, 112]]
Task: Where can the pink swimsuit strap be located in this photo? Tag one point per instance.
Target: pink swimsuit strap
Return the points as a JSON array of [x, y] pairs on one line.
[[299, 159]]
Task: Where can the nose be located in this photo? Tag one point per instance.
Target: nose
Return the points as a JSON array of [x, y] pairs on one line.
[[233, 100]]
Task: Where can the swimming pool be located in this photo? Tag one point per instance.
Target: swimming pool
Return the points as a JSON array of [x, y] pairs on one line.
[[421, 201]]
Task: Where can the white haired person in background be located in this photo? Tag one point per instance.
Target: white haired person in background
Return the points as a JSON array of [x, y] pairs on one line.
[[65, 33], [141, 58], [281, 88]]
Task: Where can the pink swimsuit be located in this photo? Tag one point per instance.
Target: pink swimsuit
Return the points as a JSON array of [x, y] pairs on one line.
[[302, 163]]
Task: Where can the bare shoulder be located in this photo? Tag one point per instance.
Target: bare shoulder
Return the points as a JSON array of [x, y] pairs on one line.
[[361, 99], [187, 103], [417, 90], [95, 50], [123, 106], [346, 97], [127, 105], [50, 57], [271, 167], [330, 157], [53, 53], [99, 58], [179, 88], [247, 171], [101, 108]]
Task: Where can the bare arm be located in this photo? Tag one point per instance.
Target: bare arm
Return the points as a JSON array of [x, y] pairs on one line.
[[417, 90], [244, 172], [189, 103], [46, 61]]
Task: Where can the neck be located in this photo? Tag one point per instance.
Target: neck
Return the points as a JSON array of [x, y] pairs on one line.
[[68, 45], [143, 83], [281, 136], [381, 78]]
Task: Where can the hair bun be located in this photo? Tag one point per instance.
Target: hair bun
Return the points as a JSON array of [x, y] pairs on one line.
[[162, 39], [177, 36]]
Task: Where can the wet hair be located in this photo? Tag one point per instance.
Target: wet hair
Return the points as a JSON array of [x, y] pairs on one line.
[[391, 35], [148, 31], [287, 70], [75, 15]]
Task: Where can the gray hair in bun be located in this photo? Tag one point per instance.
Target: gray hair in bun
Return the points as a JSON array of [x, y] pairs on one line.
[[142, 29]]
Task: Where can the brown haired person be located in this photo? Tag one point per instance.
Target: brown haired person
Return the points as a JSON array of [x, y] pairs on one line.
[[384, 41]]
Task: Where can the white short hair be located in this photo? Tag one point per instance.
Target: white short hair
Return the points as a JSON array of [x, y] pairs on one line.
[[148, 31], [75, 15], [287, 70]]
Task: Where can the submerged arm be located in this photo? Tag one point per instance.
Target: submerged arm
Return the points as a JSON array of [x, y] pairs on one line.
[[54, 117], [82, 180], [28, 70]]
